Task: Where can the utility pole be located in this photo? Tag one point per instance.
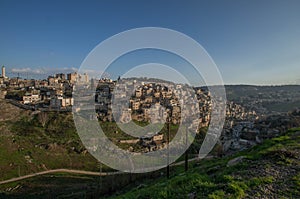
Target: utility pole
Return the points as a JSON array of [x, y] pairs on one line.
[[168, 146], [100, 177], [186, 152], [19, 170]]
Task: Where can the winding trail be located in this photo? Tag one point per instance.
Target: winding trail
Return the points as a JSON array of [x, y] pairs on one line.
[[82, 172], [60, 171]]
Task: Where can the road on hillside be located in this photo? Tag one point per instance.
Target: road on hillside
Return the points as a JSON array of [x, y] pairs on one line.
[[82, 172]]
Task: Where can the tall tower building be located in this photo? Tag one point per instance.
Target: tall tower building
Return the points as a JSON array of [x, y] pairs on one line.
[[85, 78], [3, 71]]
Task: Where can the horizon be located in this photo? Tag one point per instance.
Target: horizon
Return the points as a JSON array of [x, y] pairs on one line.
[[250, 42], [115, 79]]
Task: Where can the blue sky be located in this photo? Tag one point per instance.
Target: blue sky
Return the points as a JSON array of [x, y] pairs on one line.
[[252, 42]]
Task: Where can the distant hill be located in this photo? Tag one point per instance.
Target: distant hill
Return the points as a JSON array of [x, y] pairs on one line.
[[266, 99]]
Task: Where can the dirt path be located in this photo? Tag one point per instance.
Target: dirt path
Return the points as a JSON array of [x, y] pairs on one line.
[[60, 171], [80, 172]]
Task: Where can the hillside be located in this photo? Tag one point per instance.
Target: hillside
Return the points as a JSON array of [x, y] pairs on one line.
[[269, 170], [30, 143], [265, 99]]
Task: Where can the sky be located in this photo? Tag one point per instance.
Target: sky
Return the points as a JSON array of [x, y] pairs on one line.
[[251, 42]]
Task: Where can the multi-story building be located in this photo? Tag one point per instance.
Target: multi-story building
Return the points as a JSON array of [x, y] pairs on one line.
[[72, 77], [60, 76]]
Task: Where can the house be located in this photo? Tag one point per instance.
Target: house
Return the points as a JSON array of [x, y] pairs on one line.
[[135, 105], [158, 137], [138, 93], [56, 102], [31, 98], [67, 102], [60, 101]]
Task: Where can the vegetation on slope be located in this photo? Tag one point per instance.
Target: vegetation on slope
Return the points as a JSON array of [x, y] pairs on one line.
[[30, 143], [269, 170]]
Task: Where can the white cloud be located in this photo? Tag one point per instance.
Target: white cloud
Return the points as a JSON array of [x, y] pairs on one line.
[[42, 70]]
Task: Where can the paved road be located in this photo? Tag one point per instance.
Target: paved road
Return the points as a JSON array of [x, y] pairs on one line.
[[81, 172]]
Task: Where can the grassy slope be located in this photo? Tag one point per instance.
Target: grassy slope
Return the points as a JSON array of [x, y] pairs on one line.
[[28, 147], [268, 170], [272, 168]]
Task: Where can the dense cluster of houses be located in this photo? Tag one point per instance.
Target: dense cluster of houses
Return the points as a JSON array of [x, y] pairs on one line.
[[53, 93], [153, 102], [147, 102]]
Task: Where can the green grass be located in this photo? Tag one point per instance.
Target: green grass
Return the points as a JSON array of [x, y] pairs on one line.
[[213, 179], [54, 146], [205, 179]]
